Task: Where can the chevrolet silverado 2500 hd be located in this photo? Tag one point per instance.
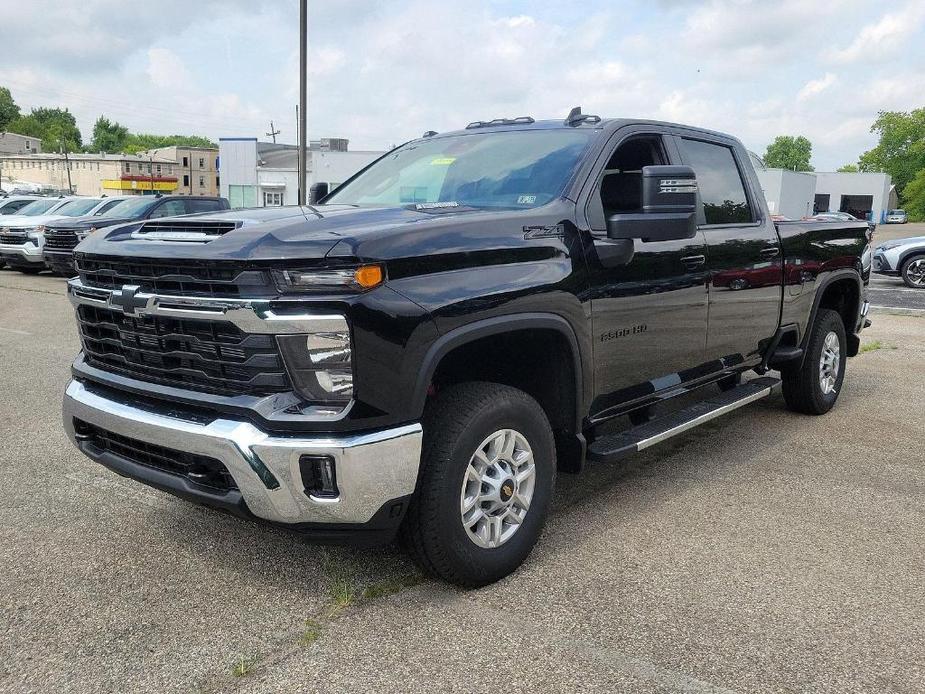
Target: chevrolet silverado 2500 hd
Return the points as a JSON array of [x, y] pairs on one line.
[[419, 352]]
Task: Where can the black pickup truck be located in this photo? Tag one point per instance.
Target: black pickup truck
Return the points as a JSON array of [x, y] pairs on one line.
[[420, 351]]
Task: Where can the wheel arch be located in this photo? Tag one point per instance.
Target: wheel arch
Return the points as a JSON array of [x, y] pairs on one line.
[[842, 291], [533, 328]]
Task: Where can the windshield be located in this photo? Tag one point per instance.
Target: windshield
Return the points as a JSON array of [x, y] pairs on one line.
[[129, 208], [898, 212], [77, 208], [37, 207], [514, 169]]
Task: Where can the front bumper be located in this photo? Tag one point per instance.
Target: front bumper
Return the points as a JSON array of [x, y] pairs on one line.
[[59, 260], [21, 254], [376, 472]]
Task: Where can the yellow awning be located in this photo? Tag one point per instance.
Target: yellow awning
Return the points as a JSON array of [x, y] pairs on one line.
[[118, 184]]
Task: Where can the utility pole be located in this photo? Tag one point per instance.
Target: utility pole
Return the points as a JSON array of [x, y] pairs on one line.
[[273, 133], [298, 160], [67, 166], [151, 171], [303, 97]]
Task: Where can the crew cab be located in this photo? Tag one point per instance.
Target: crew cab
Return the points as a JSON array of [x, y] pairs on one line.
[[423, 349], [62, 236], [23, 235]]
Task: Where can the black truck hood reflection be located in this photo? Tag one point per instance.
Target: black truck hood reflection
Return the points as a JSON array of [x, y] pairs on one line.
[[335, 231]]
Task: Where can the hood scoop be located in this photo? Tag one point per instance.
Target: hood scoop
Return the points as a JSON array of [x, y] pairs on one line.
[[184, 231]]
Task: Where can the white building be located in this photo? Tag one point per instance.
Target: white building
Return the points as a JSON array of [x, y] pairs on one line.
[[265, 174], [789, 193], [865, 195]]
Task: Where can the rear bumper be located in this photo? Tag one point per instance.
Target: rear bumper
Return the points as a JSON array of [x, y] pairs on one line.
[[376, 472]]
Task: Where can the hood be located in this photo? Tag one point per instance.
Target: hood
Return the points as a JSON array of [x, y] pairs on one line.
[[341, 231], [22, 221], [913, 241]]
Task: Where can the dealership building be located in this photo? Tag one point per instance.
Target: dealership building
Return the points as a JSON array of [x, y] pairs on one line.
[[265, 174], [797, 194]]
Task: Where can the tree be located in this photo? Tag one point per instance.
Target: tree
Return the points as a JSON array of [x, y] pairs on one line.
[[848, 168], [55, 127], [140, 142], [788, 152], [9, 111], [108, 136], [913, 197], [901, 149]]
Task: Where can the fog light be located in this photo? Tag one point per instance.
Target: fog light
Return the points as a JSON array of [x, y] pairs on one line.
[[319, 477]]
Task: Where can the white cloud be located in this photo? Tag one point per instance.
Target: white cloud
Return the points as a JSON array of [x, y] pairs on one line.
[[886, 37], [816, 87], [167, 70]]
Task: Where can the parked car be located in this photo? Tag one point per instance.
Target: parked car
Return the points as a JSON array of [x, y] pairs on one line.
[[13, 203], [903, 258], [896, 217], [22, 236], [63, 235], [423, 348]]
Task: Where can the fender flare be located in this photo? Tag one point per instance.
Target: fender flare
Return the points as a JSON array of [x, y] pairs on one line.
[[835, 276], [497, 325]]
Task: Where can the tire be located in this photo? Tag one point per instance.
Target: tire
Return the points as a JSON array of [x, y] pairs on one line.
[[457, 424], [26, 270], [803, 385], [913, 272]]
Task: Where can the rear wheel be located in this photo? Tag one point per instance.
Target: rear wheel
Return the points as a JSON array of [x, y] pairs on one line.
[[913, 272], [813, 387], [26, 269], [487, 473]]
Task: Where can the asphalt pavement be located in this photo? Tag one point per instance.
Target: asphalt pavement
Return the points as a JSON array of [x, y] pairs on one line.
[[763, 552]]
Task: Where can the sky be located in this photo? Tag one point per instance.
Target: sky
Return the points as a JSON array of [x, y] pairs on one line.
[[384, 72]]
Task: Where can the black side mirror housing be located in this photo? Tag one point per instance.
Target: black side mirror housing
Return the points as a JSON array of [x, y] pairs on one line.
[[669, 207], [316, 192]]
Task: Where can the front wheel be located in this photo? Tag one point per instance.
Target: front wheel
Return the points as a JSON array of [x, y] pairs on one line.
[[813, 387], [913, 272], [487, 472]]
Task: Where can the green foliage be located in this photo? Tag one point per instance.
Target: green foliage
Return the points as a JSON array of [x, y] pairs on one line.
[[913, 197], [57, 128], [848, 168], [901, 149], [9, 111], [108, 136], [788, 152], [139, 142]]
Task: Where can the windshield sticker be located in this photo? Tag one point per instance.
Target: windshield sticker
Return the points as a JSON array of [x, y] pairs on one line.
[[442, 161], [526, 200], [435, 205]]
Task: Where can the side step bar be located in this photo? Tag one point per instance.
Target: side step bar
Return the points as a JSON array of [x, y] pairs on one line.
[[611, 448]]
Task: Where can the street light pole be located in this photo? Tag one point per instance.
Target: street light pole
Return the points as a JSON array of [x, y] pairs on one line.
[[303, 97]]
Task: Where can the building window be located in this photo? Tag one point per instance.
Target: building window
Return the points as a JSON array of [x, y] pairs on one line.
[[202, 163], [202, 181], [158, 168], [185, 180], [272, 199], [185, 161], [217, 183]]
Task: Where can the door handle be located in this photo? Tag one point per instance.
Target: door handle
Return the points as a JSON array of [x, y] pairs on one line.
[[694, 260], [770, 252]]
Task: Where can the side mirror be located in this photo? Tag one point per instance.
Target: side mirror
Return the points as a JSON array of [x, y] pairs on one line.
[[669, 207], [316, 192]]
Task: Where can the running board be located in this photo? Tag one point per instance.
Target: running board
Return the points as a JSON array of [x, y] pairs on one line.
[[611, 448]]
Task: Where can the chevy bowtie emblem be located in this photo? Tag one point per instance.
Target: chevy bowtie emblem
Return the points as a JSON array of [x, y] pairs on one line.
[[128, 300]]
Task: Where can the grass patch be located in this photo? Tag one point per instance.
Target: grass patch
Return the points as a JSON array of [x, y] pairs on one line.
[[874, 346], [244, 667], [311, 633]]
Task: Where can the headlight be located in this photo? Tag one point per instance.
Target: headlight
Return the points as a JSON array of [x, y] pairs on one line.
[[348, 279], [320, 362], [36, 234]]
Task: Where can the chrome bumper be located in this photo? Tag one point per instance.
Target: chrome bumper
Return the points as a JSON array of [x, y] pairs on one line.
[[371, 469], [28, 252]]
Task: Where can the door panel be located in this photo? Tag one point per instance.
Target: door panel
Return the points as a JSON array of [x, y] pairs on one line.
[[743, 255], [648, 300]]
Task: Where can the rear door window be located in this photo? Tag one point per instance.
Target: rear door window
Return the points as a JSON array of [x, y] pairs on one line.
[[171, 208], [194, 205], [722, 191]]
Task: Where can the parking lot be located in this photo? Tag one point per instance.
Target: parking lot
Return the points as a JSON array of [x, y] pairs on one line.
[[763, 552]]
